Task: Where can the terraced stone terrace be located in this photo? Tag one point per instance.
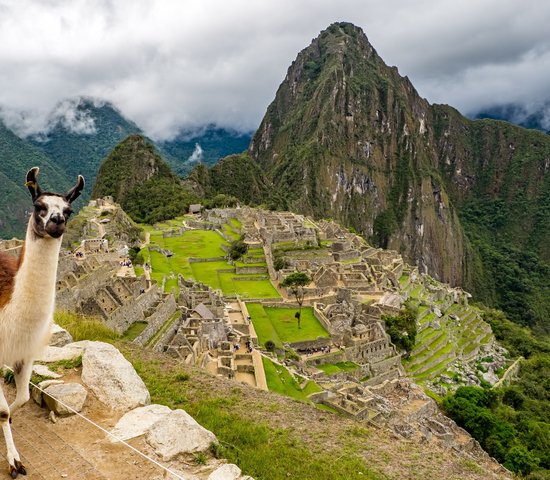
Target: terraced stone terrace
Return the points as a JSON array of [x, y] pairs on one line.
[[448, 333]]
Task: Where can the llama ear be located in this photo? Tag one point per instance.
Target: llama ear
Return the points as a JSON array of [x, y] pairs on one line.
[[32, 183], [74, 192]]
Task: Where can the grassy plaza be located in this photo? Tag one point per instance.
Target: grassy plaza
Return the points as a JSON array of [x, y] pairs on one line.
[[217, 273], [279, 325]]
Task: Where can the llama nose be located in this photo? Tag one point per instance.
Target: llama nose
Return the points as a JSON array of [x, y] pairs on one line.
[[57, 218]]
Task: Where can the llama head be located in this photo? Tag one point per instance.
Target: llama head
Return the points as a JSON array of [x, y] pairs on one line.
[[51, 210]]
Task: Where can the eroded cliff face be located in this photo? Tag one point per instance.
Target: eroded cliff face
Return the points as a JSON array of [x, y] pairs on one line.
[[347, 137]]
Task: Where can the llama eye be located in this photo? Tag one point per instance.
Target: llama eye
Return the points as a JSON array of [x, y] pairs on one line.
[[67, 212], [41, 210]]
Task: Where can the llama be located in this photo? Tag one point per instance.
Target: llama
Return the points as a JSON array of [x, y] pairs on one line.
[[27, 296]]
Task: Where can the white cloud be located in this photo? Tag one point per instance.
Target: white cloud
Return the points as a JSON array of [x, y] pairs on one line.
[[169, 64], [196, 156]]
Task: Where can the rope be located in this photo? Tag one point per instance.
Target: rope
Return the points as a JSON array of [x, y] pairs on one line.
[[152, 460]]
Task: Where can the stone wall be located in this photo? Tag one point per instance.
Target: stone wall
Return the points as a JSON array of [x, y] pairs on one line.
[[86, 287], [319, 315], [162, 313], [134, 310]]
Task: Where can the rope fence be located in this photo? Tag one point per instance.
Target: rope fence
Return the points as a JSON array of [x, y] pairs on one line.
[[99, 427]]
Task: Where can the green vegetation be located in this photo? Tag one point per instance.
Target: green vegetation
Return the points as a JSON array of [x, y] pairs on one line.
[[513, 279], [135, 175], [332, 368], [134, 331], [217, 273], [279, 324], [512, 423], [258, 447], [402, 327], [237, 248], [281, 381], [84, 328], [296, 282]]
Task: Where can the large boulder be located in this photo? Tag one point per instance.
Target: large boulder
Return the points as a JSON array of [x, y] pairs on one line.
[[178, 433], [66, 398], [138, 421], [112, 378]]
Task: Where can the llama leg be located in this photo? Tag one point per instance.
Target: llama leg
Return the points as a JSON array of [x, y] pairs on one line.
[[16, 467], [22, 372]]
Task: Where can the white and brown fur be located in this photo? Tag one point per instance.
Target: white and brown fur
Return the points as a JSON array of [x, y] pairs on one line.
[[27, 297]]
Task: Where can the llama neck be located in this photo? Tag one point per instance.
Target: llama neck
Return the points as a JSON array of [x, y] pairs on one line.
[[35, 281]]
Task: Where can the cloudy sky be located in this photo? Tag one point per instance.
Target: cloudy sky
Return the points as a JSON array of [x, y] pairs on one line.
[[169, 64]]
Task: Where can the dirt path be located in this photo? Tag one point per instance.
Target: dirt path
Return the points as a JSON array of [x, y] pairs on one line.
[[72, 448]]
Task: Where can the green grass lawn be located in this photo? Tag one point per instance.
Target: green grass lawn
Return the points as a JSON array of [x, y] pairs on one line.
[[331, 368], [281, 381], [279, 325], [236, 224], [134, 331], [209, 273], [203, 244], [230, 232], [197, 244], [262, 324]]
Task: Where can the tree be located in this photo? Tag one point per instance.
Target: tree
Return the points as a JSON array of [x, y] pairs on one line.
[[238, 248], [296, 282], [402, 327]]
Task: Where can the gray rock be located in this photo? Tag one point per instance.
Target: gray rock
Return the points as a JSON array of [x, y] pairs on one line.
[[490, 377], [36, 393], [60, 337], [229, 471], [177, 433], [112, 378], [138, 421], [44, 371], [55, 354], [59, 398]]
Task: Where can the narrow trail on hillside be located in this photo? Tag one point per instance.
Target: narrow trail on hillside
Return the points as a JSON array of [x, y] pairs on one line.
[[72, 448]]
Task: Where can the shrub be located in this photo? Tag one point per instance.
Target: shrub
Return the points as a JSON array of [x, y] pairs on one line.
[[402, 327], [237, 248], [270, 346]]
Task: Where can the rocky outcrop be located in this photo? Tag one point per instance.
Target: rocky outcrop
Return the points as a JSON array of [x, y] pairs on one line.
[[229, 471], [112, 378], [173, 435], [165, 436], [138, 421]]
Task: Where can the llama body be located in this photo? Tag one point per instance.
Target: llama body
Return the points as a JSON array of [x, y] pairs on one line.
[[27, 297]]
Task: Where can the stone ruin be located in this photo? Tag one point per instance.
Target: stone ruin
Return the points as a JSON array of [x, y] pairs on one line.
[[359, 330], [207, 332], [11, 247]]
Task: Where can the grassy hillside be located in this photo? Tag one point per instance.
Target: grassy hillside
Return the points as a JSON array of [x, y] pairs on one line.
[[512, 422], [17, 157]]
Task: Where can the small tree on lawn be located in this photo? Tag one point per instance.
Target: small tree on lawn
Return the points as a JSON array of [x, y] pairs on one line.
[[238, 248], [296, 282]]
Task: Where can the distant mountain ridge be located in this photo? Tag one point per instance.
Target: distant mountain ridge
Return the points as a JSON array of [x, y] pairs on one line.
[[538, 118], [206, 145], [81, 133]]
